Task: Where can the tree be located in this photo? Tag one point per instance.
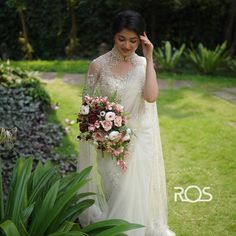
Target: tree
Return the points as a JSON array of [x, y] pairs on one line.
[[72, 47], [20, 6], [230, 28]]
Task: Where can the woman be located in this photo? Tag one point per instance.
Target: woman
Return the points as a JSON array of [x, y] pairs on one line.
[[138, 194]]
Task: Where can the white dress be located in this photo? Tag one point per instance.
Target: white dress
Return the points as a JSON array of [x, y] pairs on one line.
[[138, 194]]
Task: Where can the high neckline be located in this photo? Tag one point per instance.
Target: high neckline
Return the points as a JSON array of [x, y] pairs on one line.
[[119, 57]]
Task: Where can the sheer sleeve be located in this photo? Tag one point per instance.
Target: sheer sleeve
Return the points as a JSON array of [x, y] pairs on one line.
[[92, 78]]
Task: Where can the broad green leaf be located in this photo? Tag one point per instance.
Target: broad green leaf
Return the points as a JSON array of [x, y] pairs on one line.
[[119, 229], [72, 233], [38, 226], [18, 190], [61, 204], [74, 211], [9, 228], [103, 224], [168, 52]]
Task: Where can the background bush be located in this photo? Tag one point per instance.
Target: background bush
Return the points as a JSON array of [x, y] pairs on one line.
[[49, 24]]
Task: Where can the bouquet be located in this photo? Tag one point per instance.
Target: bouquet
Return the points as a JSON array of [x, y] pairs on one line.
[[103, 122]]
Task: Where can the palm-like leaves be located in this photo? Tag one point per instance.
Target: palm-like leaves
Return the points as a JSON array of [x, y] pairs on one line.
[[168, 58], [43, 203], [208, 61]]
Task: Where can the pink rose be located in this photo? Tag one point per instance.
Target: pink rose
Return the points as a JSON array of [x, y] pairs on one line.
[[119, 108], [118, 151], [110, 116], [122, 164], [126, 154], [107, 125], [97, 124], [87, 98], [99, 136], [91, 127], [118, 121]]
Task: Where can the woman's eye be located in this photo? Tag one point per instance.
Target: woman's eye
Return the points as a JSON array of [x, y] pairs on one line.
[[134, 41], [121, 39]]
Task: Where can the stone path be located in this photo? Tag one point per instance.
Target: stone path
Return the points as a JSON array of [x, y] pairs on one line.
[[79, 79], [228, 94]]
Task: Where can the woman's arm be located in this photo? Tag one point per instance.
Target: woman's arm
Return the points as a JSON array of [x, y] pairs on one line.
[[151, 89]]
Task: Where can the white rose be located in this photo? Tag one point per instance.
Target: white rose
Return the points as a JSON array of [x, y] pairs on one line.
[[128, 131], [84, 110], [110, 116], [113, 135]]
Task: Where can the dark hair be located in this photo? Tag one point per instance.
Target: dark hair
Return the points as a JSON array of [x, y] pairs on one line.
[[130, 20]]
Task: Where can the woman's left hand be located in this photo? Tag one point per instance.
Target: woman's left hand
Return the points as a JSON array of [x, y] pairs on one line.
[[147, 46]]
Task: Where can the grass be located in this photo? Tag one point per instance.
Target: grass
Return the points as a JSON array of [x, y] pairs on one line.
[[68, 98], [199, 149], [70, 66], [198, 132]]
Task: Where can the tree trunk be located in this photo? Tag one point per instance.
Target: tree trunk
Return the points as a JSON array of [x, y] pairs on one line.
[[230, 30], [25, 33], [73, 23]]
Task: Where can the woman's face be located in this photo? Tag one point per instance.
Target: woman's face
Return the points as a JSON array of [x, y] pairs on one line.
[[126, 41]]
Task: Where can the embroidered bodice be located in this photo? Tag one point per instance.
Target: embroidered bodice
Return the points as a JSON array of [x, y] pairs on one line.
[[104, 75]]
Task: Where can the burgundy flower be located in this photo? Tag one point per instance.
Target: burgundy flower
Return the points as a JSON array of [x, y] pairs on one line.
[[92, 118], [83, 127]]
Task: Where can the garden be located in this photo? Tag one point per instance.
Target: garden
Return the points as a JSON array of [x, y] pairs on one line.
[[40, 189]]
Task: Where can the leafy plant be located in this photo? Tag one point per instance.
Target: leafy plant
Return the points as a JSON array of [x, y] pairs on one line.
[[208, 61], [24, 105], [5, 136], [168, 57], [11, 76], [43, 203], [231, 64]]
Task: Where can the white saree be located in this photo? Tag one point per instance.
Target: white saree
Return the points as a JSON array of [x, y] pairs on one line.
[[138, 194]]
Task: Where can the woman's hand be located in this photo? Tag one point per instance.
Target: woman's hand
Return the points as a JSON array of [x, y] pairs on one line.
[[147, 46]]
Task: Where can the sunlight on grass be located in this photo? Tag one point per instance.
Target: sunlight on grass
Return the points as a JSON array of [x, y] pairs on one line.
[[70, 66], [69, 99], [199, 149]]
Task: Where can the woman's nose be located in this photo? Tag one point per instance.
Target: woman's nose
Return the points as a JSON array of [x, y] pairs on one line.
[[127, 44]]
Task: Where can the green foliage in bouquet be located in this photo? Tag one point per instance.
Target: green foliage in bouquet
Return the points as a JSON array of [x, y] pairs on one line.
[[168, 57], [208, 61], [41, 203]]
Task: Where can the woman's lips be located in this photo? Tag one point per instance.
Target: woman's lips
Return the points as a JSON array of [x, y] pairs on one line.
[[125, 50]]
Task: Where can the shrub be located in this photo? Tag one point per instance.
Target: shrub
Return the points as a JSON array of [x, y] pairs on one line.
[[208, 61], [13, 77], [24, 103], [168, 57], [231, 65]]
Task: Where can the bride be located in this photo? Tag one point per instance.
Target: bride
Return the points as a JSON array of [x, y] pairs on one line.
[[137, 195]]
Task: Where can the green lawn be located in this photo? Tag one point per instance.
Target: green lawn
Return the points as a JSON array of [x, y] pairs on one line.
[[198, 133], [70, 66], [68, 98], [199, 149]]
